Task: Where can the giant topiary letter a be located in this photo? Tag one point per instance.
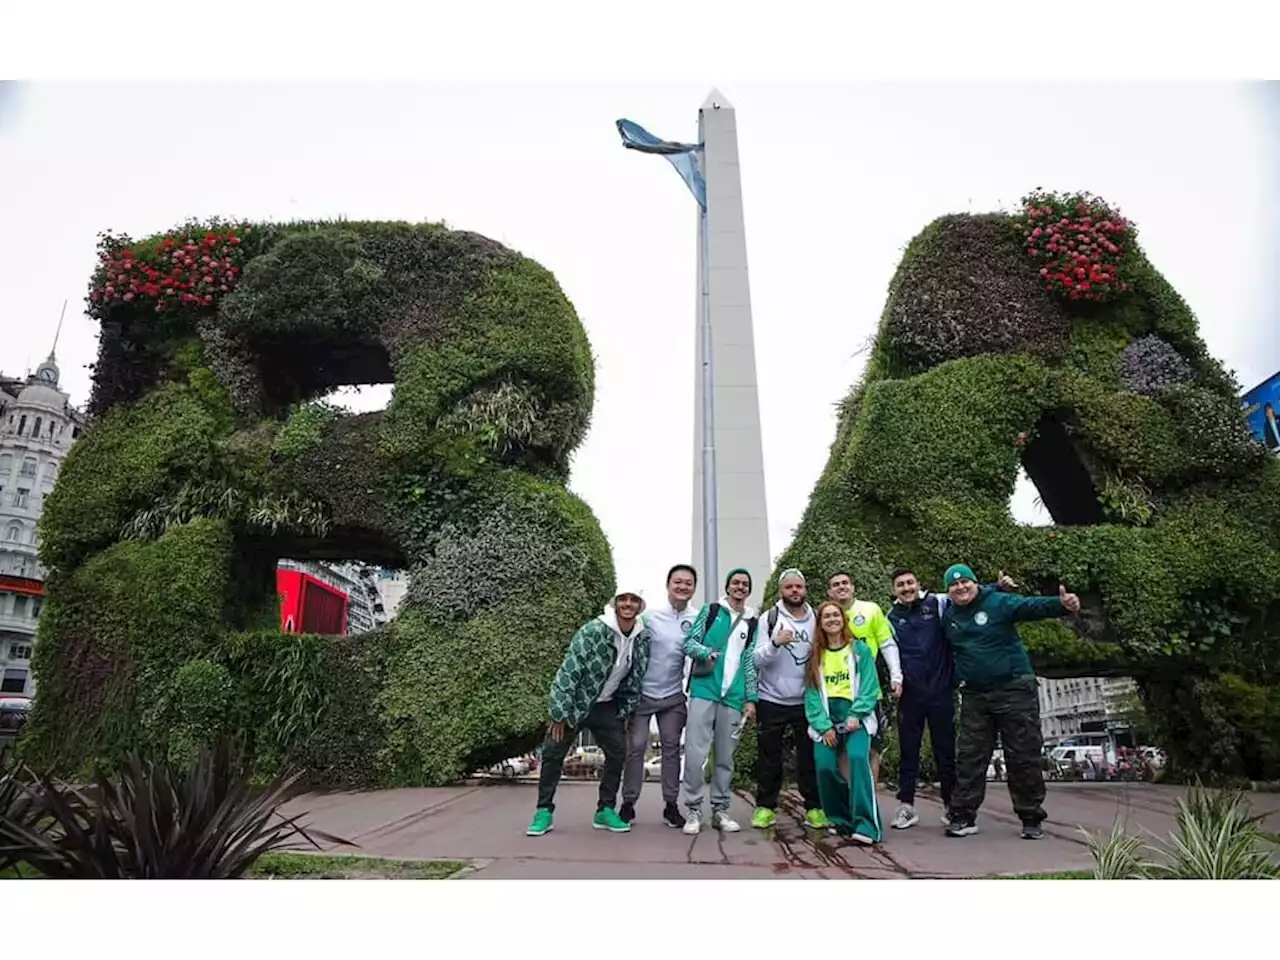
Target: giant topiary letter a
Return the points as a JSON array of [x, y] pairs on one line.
[[211, 457], [1047, 339]]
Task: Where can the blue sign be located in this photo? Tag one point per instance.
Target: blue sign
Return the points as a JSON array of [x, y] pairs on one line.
[[1261, 407]]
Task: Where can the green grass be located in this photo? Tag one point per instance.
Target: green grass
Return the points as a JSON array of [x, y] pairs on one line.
[[1058, 875], [306, 866]]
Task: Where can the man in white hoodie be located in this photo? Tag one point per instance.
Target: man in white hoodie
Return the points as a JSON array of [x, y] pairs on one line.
[[662, 696], [782, 650], [596, 688]]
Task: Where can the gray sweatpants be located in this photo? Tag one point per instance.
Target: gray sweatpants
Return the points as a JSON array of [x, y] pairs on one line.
[[709, 723], [671, 713]]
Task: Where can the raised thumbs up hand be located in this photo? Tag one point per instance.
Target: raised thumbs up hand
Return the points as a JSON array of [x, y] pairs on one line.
[[1069, 600]]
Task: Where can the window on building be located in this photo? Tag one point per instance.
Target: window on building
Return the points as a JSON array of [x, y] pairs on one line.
[[28, 467], [51, 427], [19, 651], [75, 433], [36, 606], [6, 464], [20, 498], [14, 681], [35, 431], [14, 534], [22, 424], [20, 607]]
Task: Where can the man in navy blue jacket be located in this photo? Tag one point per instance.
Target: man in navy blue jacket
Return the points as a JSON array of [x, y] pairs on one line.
[[928, 694]]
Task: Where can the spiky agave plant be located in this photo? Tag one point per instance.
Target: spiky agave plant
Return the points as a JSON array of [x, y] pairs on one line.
[[152, 821], [1116, 856], [1215, 839]]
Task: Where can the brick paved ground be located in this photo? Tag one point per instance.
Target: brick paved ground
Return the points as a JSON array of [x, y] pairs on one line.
[[486, 824]]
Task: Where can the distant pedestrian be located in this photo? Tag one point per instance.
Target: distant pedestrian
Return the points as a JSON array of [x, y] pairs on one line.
[[662, 695], [999, 696], [868, 623], [722, 698], [596, 688], [783, 648], [840, 704]]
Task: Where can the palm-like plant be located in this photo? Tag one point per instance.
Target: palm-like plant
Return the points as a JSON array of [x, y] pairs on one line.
[[151, 821], [1215, 839]]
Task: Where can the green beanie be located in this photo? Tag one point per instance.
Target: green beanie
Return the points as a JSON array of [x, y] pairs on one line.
[[957, 571], [734, 572]]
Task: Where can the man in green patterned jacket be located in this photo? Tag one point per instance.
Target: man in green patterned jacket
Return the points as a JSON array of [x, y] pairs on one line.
[[596, 688]]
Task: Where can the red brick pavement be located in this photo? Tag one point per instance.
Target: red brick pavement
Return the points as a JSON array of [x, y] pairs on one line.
[[486, 824]]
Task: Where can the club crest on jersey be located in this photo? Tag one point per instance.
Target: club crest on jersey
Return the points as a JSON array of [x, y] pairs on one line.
[[686, 625], [859, 620], [980, 618]]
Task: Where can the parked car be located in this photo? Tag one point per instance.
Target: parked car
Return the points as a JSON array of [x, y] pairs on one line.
[[511, 768], [653, 767]]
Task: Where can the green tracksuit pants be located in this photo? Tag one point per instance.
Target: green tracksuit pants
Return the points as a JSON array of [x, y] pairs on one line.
[[850, 804]]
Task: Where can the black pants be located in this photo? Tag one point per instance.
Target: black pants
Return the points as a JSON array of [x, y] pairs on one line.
[[774, 721], [939, 712], [608, 729], [1013, 712]]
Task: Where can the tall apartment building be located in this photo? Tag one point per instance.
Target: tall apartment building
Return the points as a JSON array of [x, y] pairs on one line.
[[37, 427], [1080, 705]]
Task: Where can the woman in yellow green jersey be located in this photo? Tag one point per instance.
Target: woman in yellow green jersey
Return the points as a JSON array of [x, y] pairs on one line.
[[841, 690]]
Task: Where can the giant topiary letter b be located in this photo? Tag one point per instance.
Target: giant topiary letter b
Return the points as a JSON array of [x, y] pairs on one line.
[[211, 457]]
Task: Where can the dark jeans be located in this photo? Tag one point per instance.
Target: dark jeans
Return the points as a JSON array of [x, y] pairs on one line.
[[607, 727], [774, 721], [1013, 712], [939, 712]]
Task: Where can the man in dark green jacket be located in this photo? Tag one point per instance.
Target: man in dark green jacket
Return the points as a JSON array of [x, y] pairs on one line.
[[999, 694]]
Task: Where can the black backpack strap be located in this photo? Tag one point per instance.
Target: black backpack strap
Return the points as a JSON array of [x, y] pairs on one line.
[[772, 620]]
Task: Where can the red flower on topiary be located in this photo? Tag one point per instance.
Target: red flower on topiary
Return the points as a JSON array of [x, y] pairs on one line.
[[181, 270], [1084, 241]]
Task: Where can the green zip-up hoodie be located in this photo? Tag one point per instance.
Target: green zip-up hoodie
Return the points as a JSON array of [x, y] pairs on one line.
[[984, 637], [703, 640]]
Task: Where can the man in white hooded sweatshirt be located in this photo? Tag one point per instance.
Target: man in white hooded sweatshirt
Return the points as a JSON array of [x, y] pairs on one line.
[[596, 688], [783, 646]]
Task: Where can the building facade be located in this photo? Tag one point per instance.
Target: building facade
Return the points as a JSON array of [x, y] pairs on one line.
[[1080, 705], [38, 425]]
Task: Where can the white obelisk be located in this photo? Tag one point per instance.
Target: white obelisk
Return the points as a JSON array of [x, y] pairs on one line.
[[735, 503]]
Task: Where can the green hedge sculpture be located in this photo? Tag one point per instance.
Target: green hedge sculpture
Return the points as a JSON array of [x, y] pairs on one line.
[[212, 454], [1047, 339]]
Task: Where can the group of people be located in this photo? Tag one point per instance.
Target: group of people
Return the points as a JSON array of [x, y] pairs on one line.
[[811, 673]]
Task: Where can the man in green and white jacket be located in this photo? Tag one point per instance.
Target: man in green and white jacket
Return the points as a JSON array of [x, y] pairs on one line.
[[720, 701], [596, 688]]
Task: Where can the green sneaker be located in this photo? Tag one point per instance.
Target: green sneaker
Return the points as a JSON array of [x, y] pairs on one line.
[[817, 819], [541, 823], [608, 819], [764, 818]]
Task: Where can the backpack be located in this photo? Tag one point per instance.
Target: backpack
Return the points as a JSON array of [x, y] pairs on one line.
[[705, 668]]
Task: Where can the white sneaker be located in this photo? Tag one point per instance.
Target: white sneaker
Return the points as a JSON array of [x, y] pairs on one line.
[[946, 818], [906, 817], [693, 824], [723, 822]]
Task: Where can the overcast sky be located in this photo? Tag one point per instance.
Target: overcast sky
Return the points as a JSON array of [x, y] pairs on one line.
[[836, 179]]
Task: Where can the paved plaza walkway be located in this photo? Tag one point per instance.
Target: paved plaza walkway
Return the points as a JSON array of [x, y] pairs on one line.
[[486, 824]]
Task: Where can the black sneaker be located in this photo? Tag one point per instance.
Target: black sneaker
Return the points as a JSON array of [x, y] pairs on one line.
[[962, 827], [1031, 831], [671, 814], [627, 812]]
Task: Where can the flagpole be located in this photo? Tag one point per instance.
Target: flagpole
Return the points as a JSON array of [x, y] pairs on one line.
[[710, 551]]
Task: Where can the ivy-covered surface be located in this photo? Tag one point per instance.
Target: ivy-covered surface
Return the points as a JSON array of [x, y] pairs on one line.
[[1167, 512], [212, 454]]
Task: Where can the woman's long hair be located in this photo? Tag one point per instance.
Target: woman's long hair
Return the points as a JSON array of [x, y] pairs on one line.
[[813, 671]]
